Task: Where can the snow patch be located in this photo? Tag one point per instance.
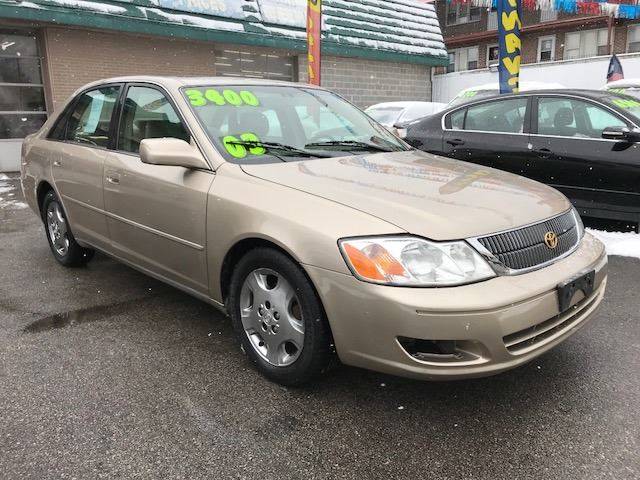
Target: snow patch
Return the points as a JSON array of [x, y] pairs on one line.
[[623, 244]]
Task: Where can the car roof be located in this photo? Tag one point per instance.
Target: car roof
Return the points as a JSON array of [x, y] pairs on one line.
[[592, 94], [178, 82], [406, 104]]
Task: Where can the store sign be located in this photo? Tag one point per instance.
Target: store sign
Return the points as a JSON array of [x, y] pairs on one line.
[[509, 43], [219, 8], [291, 13]]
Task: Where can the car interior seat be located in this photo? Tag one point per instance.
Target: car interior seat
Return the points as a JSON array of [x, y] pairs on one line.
[[562, 121]]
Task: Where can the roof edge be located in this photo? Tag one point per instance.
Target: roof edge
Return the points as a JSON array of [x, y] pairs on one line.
[[71, 17]]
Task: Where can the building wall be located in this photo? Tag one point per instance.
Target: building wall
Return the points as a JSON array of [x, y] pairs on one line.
[[76, 57], [367, 82]]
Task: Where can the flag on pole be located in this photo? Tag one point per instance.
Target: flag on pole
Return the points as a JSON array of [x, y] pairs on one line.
[[509, 44], [314, 33], [615, 70]]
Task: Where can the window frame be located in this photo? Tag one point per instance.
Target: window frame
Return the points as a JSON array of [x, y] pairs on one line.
[[28, 32], [119, 110], [488, 61], [636, 28], [64, 116], [526, 126], [581, 34], [534, 116], [553, 48], [457, 7]]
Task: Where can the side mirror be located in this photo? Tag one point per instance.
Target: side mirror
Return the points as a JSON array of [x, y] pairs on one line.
[[622, 134], [171, 152]]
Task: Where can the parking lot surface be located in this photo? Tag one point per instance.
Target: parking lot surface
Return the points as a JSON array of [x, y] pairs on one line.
[[107, 373]]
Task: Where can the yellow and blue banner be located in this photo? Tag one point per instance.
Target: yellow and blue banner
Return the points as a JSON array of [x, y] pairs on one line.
[[509, 28]]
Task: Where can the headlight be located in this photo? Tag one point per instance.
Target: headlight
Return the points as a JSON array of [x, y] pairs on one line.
[[579, 223], [410, 261]]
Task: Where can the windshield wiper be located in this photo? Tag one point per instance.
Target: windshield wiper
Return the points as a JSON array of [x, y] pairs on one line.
[[350, 143], [294, 151]]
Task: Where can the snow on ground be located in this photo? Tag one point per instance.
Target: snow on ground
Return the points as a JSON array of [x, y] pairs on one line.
[[618, 243], [8, 194]]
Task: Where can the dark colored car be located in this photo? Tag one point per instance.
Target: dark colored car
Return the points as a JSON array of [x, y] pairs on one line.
[[582, 142]]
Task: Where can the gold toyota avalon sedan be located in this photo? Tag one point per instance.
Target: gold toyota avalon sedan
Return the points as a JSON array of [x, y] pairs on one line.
[[319, 232]]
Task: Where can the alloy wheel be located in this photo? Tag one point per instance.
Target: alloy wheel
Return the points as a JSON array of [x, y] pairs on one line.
[[57, 226]]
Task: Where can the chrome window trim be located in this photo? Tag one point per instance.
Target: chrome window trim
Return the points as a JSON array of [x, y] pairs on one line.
[[563, 95], [503, 270]]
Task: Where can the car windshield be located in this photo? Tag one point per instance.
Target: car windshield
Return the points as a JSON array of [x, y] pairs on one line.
[[265, 124], [628, 103], [386, 116]]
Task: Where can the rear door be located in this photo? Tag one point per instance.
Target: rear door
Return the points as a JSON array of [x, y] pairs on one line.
[[492, 133], [600, 176], [156, 213], [77, 168]]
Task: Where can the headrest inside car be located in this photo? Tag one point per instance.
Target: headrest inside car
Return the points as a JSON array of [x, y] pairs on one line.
[[563, 117]]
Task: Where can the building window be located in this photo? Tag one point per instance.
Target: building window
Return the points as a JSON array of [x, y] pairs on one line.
[[463, 59], [548, 15], [547, 49], [238, 62], [492, 20], [493, 55], [22, 105], [633, 39], [462, 13], [588, 43]]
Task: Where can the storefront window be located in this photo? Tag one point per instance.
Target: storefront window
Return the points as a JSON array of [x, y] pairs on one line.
[[22, 104], [237, 62]]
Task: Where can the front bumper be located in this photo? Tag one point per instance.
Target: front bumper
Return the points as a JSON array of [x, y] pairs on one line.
[[497, 324]]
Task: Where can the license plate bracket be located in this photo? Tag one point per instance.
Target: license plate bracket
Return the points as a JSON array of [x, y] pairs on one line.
[[568, 288]]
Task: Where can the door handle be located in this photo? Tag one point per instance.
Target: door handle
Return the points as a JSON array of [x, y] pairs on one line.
[[543, 152], [57, 163], [455, 142], [113, 178]]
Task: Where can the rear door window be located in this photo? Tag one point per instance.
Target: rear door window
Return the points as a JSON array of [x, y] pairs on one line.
[[90, 121], [503, 116]]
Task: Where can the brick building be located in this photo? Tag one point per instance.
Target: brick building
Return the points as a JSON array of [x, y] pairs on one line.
[[471, 37], [374, 50]]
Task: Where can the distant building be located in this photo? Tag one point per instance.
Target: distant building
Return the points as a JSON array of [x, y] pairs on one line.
[[471, 38]]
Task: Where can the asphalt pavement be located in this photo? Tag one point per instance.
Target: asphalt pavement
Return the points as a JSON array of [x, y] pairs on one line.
[[107, 373]]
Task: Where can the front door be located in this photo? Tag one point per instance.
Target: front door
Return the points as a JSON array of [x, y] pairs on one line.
[[79, 162], [156, 214], [600, 176]]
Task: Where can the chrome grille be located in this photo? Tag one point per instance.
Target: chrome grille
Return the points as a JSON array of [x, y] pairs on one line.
[[525, 248]]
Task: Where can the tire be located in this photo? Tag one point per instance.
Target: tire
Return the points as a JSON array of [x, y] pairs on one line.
[[63, 245], [282, 323]]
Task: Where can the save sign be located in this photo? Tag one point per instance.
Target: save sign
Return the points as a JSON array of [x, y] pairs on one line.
[[509, 26]]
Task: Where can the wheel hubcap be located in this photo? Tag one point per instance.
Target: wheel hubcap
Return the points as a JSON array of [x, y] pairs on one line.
[[57, 227], [272, 317]]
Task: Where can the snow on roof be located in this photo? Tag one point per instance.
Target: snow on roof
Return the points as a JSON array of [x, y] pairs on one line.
[[624, 83], [524, 86], [405, 27]]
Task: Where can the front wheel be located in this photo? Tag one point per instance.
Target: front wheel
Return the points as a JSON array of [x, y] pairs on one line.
[[278, 317], [63, 245]]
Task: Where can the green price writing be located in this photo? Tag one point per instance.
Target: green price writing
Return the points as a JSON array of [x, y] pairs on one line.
[[200, 98], [240, 151], [624, 103]]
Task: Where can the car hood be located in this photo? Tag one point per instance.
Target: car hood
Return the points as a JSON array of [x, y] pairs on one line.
[[423, 194]]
